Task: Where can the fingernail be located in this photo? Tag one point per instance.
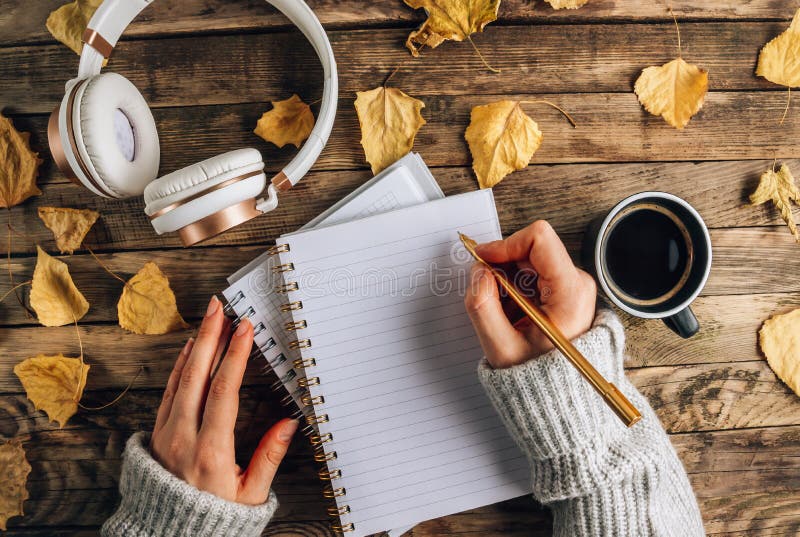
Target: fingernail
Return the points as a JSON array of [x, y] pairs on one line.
[[287, 430], [244, 326], [188, 346], [213, 305]]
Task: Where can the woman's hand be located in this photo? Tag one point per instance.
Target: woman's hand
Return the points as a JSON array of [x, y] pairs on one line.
[[566, 294], [193, 434]]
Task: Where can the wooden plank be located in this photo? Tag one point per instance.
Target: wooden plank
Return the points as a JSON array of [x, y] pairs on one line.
[[716, 462], [24, 21], [598, 58]]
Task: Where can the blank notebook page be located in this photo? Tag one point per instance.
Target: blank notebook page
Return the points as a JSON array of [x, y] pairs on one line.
[[414, 434]]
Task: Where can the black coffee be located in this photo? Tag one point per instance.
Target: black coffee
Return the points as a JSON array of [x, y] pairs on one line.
[[646, 255]]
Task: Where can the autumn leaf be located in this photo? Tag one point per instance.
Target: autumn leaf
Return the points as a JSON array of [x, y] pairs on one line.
[[289, 122], [674, 91], [19, 166], [389, 121], [502, 138], [69, 226], [54, 384], [779, 60], [781, 188], [68, 22], [450, 19], [54, 297], [779, 338], [14, 470], [147, 304], [566, 4]]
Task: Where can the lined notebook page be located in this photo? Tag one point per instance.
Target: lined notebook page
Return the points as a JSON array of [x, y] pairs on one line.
[[396, 356]]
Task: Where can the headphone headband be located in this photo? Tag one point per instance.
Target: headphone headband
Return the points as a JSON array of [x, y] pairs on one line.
[[113, 16]]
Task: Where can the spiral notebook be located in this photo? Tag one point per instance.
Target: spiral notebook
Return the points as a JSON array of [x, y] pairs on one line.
[[401, 422]]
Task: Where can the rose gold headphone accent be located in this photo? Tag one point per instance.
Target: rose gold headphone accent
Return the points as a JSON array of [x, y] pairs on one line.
[[281, 182], [57, 148], [215, 223], [202, 193], [97, 42]]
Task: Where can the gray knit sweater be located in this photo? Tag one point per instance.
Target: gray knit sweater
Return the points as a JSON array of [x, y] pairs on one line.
[[600, 478]]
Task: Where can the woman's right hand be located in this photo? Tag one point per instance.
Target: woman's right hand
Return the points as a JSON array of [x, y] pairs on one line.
[[566, 294], [193, 434]]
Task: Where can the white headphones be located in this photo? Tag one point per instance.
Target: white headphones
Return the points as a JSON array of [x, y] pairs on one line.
[[103, 137]]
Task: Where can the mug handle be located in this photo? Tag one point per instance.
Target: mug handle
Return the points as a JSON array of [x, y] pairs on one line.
[[684, 323]]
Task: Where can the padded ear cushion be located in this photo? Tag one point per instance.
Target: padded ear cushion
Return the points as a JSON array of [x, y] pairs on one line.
[[184, 183], [97, 103]]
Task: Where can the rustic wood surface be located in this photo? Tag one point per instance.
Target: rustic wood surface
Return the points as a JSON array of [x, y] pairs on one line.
[[209, 68]]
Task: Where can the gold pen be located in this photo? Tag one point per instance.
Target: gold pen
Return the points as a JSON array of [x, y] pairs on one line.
[[610, 394]]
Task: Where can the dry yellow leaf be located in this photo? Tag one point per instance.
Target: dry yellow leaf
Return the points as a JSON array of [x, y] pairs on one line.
[[68, 22], [502, 138], [780, 343], [289, 122], [450, 19], [54, 384], [14, 470], [69, 226], [147, 304], [54, 297], [781, 188], [19, 166], [389, 121], [674, 91], [566, 4], [779, 60]]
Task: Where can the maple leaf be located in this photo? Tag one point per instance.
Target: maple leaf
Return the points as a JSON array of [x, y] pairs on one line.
[[779, 338], [69, 226], [68, 22], [389, 121], [147, 304], [450, 19], [14, 470], [54, 297], [502, 138], [779, 60], [289, 122], [54, 384], [566, 4], [674, 91], [19, 166], [780, 188]]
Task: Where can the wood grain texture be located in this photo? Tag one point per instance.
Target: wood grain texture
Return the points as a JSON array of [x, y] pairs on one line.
[[208, 70]]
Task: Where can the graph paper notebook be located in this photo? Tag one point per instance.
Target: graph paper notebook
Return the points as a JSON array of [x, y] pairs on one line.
[[403, 425]]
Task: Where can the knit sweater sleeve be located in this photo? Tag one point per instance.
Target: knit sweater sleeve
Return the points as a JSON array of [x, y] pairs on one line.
[[155, 503], [598, 476]]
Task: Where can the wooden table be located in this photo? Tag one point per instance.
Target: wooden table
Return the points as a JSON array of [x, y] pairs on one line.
[[209, 68]]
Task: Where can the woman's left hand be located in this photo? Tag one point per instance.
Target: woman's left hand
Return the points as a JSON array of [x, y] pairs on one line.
[[193, 434]]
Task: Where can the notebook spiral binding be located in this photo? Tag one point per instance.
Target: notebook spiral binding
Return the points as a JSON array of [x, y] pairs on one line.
[[327, 473]]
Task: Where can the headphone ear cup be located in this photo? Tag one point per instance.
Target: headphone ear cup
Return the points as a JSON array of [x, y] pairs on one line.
[[207, 198], [115, 135]]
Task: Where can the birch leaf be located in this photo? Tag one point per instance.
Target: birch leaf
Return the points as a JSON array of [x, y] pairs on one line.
[[19, 166], [289, 122], [780, 342], [389, 121], [69, 226], [779, 60], [14, 470], [147, 304], [450, 19], [502, 138], [68, 22], [54, 384], [566, 4], [54, 297], [781, 188], [674, 91]]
